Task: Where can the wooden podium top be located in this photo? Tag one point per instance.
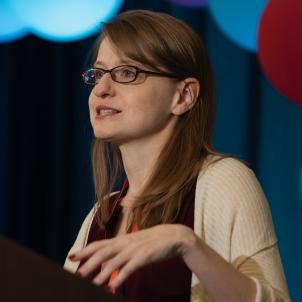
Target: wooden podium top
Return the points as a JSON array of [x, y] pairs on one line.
[[27, 276]]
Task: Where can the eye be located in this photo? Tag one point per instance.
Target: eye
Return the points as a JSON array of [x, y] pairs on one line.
[[124, 74], [89, 76], [127, 72], [98, 73], [92, 75]]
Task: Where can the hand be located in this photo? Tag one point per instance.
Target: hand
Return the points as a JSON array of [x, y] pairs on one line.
[[132, 251]]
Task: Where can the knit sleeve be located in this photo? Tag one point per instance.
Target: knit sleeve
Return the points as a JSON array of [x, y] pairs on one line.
[[238, 225], [80, 241], [265, 269]]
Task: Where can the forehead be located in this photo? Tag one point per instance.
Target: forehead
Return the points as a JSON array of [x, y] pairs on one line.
[[109, 56]]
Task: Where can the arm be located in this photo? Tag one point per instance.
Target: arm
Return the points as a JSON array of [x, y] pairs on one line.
[[236, 226], [220, 279]]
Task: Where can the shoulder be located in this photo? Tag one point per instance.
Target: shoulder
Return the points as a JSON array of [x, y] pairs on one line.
[[229, 179], [220, 166], [231, 205]]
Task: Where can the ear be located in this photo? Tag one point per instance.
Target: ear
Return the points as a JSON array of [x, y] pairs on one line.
[[186, 96]]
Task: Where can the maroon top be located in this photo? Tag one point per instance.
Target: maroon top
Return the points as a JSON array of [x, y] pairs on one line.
[[168, 280]]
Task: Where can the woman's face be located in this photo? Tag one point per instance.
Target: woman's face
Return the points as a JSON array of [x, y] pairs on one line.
[[141, 109]]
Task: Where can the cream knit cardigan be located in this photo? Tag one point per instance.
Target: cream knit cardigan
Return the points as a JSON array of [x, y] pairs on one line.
[[232, 216]]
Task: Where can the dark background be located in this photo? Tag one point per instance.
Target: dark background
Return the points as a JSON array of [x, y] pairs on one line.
[[45, 136]]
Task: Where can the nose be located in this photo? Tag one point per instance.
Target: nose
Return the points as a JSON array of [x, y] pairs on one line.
[[104, 86]]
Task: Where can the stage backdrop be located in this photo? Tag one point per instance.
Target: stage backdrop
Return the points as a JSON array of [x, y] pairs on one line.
[[45, 137]]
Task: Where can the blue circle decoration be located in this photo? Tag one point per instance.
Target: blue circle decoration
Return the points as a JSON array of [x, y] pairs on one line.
[[67, 20], [11, 28], [238, 20]]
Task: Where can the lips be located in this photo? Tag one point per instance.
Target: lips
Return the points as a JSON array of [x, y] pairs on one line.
[[102, 110]]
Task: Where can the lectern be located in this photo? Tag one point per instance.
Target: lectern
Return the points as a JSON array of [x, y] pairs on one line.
[[27, 276]]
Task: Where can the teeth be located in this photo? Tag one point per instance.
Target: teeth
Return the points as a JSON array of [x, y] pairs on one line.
[[105, 111]]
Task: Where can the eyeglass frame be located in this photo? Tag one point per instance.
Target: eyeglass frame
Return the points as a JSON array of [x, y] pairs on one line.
[[138, 71]]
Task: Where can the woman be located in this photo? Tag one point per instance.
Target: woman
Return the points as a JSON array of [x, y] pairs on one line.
[[188, 224]]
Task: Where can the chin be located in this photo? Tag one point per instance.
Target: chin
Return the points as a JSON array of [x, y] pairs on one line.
[[107, 137]]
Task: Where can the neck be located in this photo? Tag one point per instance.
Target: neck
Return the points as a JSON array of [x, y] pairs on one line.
[[140, 158]]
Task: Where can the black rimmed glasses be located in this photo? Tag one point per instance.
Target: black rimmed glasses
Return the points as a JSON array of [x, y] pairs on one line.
[[120, 74]]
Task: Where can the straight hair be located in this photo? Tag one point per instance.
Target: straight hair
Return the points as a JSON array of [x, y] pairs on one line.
[[163, 43]]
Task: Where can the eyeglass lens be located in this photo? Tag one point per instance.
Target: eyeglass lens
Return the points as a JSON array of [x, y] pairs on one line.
[[122, 74]]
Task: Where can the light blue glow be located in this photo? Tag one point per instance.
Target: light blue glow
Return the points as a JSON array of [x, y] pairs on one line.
[[64, 20], [11, 28], [239, 20]]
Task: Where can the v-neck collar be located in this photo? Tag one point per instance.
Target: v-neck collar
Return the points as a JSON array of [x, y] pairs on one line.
[[115, 207]]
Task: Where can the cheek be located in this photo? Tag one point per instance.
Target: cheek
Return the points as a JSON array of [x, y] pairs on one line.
[[148, 114], [151, 99], [90, 103], [141, 107], [90, 107]]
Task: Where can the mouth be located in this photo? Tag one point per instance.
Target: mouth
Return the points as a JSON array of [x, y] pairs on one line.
[[105, 111]]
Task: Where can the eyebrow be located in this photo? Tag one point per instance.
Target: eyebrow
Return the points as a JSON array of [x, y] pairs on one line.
[[100, 63]]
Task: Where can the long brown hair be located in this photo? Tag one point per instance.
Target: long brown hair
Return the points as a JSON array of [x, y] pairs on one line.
[[161, 42]]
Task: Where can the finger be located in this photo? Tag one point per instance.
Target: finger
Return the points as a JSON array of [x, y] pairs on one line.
[[131, 266], [88, 250], [96, 260], [112, 265]]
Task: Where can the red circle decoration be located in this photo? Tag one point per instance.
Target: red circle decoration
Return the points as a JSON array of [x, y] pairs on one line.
[[280, 46]]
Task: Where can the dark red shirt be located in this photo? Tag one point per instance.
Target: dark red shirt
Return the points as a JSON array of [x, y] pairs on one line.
[[165, 281]]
